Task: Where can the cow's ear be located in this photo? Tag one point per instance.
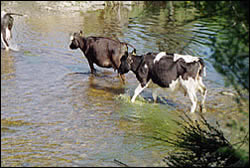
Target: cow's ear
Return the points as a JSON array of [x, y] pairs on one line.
[[80, 33], [134, 52]]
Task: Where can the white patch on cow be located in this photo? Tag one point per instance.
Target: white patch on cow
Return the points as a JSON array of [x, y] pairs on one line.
[[174, 85], [187, 58], [8, 34], [203, 91], [5, 45], [191, 86], [71, 38], [159, 56], [189, 83], [138, 90], [145, 66], [204, 71]]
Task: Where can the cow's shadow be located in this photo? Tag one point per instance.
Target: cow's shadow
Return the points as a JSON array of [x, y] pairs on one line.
[[97, 74], [80, 73], [119, 89], [161, 100], [105, 81]]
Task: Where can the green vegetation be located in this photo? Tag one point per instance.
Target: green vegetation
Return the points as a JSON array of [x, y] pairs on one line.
[[207, 146], [231, 45], [203, 145]]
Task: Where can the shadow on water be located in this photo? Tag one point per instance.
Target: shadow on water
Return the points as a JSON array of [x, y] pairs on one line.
[[163, 101]]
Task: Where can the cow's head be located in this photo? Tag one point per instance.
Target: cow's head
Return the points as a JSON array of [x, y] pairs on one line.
[[126, 62], [75, 40]]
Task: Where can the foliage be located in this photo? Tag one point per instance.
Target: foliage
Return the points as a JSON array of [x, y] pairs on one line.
[[207, 146], [231, 45], [201, 144]]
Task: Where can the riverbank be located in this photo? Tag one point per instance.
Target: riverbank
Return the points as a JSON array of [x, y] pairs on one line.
[[74, 6], [84, 6]]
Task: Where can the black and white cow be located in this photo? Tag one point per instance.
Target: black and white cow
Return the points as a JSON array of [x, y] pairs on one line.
[[173, 71]]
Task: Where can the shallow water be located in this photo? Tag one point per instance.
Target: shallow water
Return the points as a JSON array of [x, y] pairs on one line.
[[55, 113]]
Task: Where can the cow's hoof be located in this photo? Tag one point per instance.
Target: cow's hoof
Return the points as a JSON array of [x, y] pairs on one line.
[[94, 73], [122, 81]]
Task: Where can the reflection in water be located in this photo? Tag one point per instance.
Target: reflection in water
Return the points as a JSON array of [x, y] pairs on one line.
[[55, 113], [7, 66]]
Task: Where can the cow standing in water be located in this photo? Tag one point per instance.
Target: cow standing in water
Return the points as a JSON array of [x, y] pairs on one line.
[[173, 71], [104, 52]]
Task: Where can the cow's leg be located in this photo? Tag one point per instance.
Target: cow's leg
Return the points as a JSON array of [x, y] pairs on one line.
[[91, 65], [154, 94], [93, 70], [5, 43], [193, 98], [122, 77], [190, 87], [203, 90], [138, 90]]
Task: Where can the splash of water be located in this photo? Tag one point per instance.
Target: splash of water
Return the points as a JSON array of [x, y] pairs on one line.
[[127, 99], [13, 46]]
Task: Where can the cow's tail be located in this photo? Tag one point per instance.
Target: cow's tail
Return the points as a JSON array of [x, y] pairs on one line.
[[203, 67]]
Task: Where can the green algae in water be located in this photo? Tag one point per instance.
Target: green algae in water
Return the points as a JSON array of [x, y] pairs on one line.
[[7, 130], [153, 118], [29, 53], [9, 123], [127, 99]]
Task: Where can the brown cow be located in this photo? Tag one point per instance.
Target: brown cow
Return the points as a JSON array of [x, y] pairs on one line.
[[104, 52]]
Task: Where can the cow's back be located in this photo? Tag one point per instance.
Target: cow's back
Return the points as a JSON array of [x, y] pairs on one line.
[[164, 71], [107, 51], [103, 43]]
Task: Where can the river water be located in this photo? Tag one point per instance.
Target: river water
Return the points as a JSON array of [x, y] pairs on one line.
[[55, 113]]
